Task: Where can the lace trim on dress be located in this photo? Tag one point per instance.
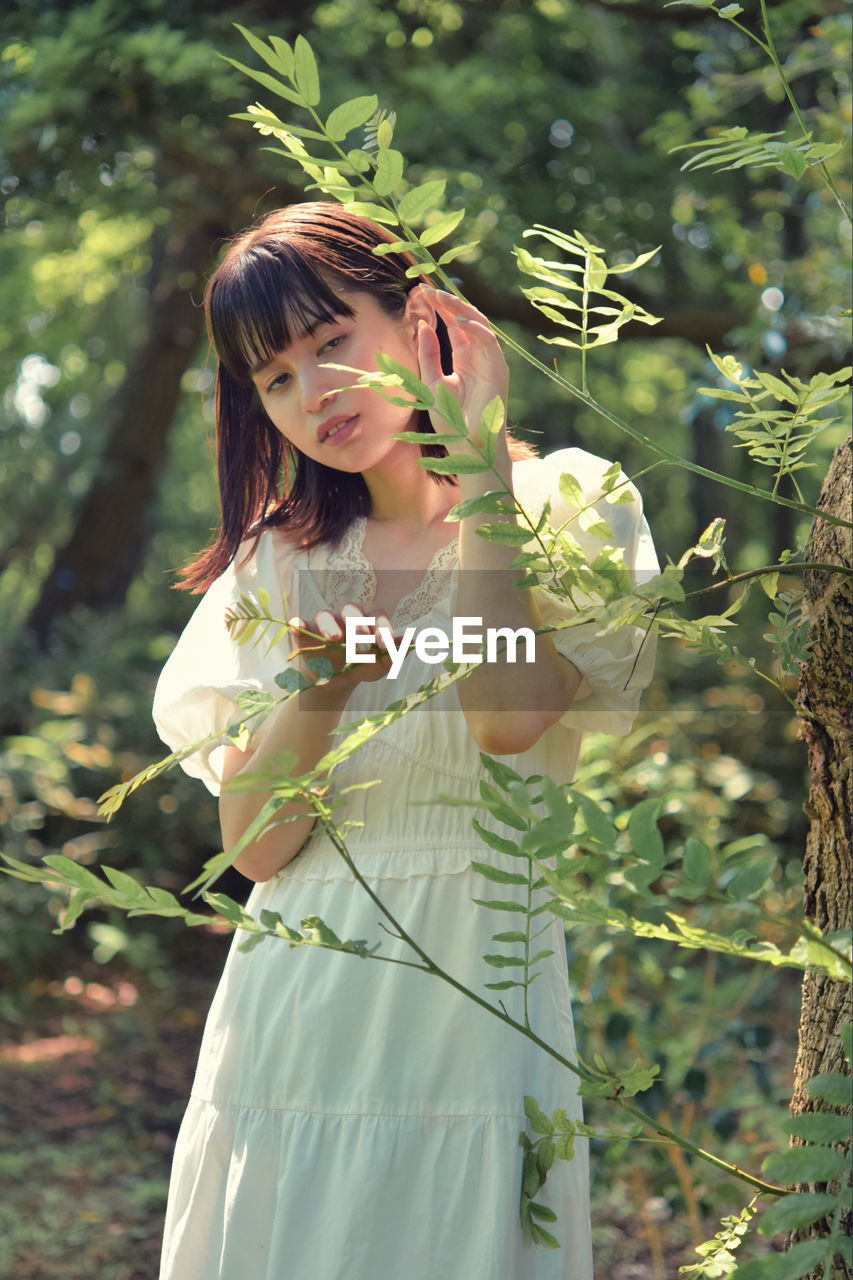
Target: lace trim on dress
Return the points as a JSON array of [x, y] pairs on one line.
[[351, 577]]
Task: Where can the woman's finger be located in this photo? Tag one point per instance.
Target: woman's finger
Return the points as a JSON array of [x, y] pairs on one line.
[[328, 626], [448, 304], [383, 628], [429, 353]]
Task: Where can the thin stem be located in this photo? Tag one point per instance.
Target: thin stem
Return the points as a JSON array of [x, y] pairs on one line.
[[650, 1122], [774, 58], [580, 393], [783, 460], [667, 454], [789, 567]]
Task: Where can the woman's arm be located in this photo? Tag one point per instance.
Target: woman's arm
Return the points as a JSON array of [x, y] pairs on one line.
[[302, 725], [508, 706]]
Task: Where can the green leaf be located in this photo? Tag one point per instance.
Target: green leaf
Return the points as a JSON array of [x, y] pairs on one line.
[[493, 417], [376, 212], [531, 1178], [253, 701], [350, 115], [596, 272], [496, 842], [797, 1262], [541, 1210], [565, 1146], [597, 821], [77, 904], [504, 962], [463, 464], [291, 680], [502, 986], [829, 1086], [423, 437], [384, 133], [269, 82], [497, 875], [751, 879], [828, 1127], [72, 873], [697, 862], [451, 410], [799, 1210], [389, 172], [416, 202], [305, 71], [280, 59], [644, 833], [319, 931], [125, 884], [541, 1236], [457, 251], [501, 906], [360, 161], [447, 223], [485, 503], [499, 772], [789, 160], [539, 1122], [510, 534], [513, 935], [806, 1164], [284, 52], [571, 490]]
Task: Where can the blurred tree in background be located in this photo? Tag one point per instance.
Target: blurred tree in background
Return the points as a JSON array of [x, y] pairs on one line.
[[122, 174]]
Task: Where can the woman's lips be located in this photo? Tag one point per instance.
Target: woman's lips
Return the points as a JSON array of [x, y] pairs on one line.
[[337, 430]]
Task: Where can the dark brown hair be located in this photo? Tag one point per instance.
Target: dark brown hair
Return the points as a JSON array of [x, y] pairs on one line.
[[278, 281]]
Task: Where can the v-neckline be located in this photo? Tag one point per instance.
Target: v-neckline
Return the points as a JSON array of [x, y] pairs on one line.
[[348, 567]]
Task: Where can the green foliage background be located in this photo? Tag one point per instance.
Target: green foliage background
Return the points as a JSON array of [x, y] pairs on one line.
[[116, 132]]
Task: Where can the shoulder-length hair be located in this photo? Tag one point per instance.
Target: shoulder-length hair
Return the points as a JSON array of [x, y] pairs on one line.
[[276, 282]]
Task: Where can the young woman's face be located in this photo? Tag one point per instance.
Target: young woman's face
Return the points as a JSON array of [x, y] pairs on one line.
[[315, 406]]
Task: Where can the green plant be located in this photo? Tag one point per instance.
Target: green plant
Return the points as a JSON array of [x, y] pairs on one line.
[[722, 900]]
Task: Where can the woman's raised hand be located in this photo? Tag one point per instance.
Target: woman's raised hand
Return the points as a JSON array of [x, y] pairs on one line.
[[479, 370], [325, 637]]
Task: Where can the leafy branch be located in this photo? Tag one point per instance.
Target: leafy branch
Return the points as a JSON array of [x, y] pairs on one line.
[[365, 181], [755, 149], [553, 297], [778, 437]]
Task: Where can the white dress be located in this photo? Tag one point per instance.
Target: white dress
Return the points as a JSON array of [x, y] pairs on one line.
[[353, 1120]]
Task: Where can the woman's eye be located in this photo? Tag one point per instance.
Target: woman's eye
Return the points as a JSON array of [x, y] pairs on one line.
[[278, 382], [333, 343]]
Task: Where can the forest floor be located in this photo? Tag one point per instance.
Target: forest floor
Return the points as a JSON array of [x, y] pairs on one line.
[[93, 1081]]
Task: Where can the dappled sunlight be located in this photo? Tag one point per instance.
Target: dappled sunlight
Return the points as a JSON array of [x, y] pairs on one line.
[[47, 1050]]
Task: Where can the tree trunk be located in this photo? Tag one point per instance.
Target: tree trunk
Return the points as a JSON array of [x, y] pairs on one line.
[[824, 693], [97, 563]]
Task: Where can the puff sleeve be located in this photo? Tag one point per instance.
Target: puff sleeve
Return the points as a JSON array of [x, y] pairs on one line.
[[616, 665], [197, 690]]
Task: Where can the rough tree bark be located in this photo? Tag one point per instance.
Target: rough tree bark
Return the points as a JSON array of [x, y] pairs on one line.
[[824, 693]]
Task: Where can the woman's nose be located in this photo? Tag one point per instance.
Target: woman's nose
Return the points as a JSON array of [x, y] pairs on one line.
[[316, 386]]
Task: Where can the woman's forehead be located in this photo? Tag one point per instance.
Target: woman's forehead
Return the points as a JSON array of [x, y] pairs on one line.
[[268, 320]]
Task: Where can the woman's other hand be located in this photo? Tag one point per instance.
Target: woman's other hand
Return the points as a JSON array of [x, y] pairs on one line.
[[325, 637], [480, 371]]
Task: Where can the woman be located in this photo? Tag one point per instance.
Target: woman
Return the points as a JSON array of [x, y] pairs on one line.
[[350, 1118]]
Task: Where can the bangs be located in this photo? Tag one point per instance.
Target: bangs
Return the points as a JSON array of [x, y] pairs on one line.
[[268, 298]]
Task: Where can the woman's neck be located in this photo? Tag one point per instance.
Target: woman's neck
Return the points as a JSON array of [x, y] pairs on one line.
[[403, 494]]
